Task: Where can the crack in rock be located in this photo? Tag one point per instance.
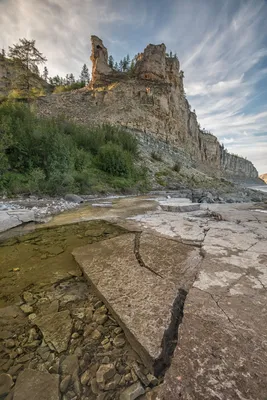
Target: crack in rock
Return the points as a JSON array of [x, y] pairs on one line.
[[139, 257], [170, 337]]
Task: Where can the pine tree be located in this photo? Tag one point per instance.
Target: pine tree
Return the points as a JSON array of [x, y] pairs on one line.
[[84, 77], [25, 57], [3, 53], [71, 78], [111, 62], [121, 65], [116, 67], [45, 74]]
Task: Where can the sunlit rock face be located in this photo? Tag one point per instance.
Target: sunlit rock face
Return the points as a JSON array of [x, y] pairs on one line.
[[151, 64], [264, 177], [150, 99], [99, 58]]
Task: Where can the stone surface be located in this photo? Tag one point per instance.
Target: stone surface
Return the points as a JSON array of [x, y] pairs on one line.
[[6, 383], [73, 198], [222, 337], [123, 269], [32, 384], [153, 100], [56, 329], [99, 58], [132, 392], [12, 218]]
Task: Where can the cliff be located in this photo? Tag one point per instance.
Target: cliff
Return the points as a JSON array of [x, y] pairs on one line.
[[148, 99], [264, 177], [9, 73]]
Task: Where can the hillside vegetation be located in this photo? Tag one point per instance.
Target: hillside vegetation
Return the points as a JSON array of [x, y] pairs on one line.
[[54, 156]]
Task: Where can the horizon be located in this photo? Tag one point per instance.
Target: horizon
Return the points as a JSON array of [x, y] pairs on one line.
[[222, 49]]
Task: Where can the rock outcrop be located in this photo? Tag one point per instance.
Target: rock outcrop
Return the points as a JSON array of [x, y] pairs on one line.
[[150, 99], [264, 177], [99, 58], [9, 72]]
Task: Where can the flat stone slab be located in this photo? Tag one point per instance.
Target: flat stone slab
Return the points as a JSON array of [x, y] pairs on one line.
[[179, 205], [32, 384], [139, 278], [12, 218], [222, 343], [56, 329]]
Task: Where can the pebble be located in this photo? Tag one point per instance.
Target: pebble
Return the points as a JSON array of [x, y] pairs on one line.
[[75, 335], [105, 372], [152, 379], [6, 383], [96, 335], [132, 392], [85, 377], [29, 298], [94, 386], [32, 316], [100, 319], [26, 308], [64, 384], [119, 341], [10, 343]]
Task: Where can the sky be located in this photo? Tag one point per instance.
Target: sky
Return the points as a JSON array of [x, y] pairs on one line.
[[221, 45]]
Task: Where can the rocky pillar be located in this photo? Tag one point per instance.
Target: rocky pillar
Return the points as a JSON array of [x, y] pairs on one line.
[[99, 58], [151, 64]]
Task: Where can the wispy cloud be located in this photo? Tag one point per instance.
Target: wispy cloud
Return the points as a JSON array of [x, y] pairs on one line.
[[224, 56]]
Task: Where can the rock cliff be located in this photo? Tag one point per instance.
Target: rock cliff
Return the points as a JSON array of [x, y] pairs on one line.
[[8, 73], [149, 99], [264, 177]]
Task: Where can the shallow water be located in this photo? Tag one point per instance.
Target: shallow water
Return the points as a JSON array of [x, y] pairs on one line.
[[43, 257]]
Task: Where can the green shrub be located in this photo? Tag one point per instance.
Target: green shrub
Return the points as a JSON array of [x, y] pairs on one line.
[[177, 167], [114, 160], [55, 156]]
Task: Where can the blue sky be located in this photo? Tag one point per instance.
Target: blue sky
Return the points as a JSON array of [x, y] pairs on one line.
[[221, 45]]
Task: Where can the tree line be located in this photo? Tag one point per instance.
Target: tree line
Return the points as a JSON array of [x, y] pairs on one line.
[[126, 64], [25, 60]]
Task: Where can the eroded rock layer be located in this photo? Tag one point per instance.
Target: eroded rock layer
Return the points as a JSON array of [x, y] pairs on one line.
[[150, 98]]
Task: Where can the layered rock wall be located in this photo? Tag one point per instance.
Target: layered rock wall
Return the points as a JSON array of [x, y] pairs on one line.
[[152, 100]]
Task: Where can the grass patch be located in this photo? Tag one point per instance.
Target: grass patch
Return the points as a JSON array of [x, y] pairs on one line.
[[53, 156]]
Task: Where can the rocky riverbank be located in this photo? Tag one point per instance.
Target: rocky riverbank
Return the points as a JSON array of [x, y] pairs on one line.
[[156, 285]]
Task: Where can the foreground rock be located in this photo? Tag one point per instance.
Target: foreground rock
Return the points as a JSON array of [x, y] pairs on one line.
[[222, 337], [143, 280], [12, 218], [32, 384]]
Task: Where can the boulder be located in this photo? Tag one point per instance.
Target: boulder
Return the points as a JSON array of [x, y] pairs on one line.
[[34, 384], [73, 198]]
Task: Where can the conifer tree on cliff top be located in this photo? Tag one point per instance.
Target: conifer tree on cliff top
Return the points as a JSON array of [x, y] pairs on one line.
[[26, 58], [85, 77]]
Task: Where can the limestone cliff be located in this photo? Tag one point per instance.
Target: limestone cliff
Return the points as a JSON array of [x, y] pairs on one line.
[[150, 99], [264, 177], [8, 73]]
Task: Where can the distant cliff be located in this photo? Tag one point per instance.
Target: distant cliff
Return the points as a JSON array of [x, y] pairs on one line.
[[264, 177], [150, 99]]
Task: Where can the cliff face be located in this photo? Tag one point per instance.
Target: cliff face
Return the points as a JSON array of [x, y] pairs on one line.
[[8, 74], [264, 177], [150, 99]]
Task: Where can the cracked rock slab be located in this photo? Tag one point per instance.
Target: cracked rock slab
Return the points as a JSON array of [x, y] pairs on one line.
[[12, 218], [140, 285], [33, 384], [56, 329]]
